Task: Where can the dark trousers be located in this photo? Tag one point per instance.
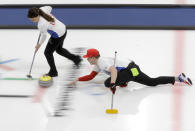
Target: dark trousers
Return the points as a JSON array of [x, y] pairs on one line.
[[126, 75], [56, 44]]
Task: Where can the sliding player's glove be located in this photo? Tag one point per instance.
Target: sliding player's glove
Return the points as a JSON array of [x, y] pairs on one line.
[[113, 88]]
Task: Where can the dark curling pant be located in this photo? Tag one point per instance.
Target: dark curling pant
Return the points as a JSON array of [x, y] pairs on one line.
[[56, 44], [126, 75]]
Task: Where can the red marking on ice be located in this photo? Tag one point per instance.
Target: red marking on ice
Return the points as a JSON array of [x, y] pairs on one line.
[[180, 1], [177, 84], [6, 67], [39, 94], [177, 91]]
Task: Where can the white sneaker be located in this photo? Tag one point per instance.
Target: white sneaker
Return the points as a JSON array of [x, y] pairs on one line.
[[182, 78]]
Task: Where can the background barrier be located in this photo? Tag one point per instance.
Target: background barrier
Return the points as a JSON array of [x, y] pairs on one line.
[[106, 16]]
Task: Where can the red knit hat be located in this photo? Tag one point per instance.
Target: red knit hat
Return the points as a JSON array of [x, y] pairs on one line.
[[91, 53]]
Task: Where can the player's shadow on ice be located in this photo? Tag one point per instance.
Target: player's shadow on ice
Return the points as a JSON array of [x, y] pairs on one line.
[[125, 100], [128, 102]]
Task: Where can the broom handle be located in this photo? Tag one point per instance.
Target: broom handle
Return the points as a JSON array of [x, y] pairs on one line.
[[112, 101], [34, 55], [112, 93]]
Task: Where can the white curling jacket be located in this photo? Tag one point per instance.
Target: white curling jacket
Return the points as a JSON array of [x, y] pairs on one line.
[[56, 29]]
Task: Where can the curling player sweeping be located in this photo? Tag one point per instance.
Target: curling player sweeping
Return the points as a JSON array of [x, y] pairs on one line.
[[46, 22], [120, 76]]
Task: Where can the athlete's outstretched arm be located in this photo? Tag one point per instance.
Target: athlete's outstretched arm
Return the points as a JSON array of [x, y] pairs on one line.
[[84, 78]]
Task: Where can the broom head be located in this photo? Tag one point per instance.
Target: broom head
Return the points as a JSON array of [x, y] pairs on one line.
[[111, 111]]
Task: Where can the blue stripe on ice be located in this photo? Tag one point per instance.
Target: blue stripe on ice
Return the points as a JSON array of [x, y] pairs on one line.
[[53, 34], [98, 94], [8, 61]]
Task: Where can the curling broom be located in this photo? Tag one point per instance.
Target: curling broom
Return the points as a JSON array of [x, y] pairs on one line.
[[111, 110]]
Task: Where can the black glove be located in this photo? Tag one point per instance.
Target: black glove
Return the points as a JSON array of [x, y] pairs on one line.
[[113, 88]]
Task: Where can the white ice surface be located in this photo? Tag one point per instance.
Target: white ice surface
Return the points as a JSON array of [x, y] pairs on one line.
[[144, 109]]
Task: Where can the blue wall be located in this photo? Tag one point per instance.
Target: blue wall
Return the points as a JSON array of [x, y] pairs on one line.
[[116, 16]]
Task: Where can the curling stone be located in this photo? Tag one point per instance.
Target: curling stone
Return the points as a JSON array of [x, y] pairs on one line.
[[45, 81]]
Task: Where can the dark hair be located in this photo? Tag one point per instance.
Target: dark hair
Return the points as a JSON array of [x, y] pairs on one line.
[[34, 12], [97, 56]]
